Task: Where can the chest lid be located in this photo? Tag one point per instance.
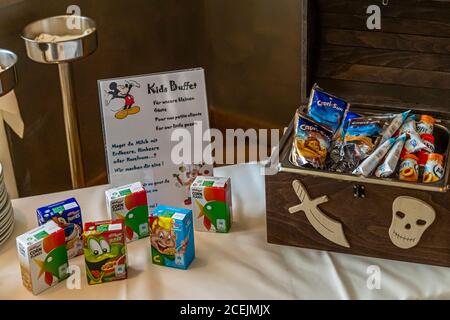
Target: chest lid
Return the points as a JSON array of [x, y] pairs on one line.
[[404, 64]]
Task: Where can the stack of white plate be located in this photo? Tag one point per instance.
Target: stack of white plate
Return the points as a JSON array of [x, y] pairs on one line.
[[6, 211]]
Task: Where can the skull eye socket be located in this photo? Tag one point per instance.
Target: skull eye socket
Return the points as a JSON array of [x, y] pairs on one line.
[[400, 214], [421, 222]]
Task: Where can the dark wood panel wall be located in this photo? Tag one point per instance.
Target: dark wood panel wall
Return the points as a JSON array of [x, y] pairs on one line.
[[249, 48], [135, 37], [405, 64]]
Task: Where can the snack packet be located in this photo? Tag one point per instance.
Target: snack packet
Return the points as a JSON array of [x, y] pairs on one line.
[[326, 109], [414, 143], [434, 168], [361, 138], [311, 142], [335, 161], [387, 168], [340, 133], [409, 125], [426, 124], [395, 124], [370, 163]]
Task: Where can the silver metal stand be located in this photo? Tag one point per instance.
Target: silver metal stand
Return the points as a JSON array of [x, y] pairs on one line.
[[8, 81], [82, 43]]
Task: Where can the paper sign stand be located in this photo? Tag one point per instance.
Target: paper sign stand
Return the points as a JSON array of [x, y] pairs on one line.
[[140, 114]]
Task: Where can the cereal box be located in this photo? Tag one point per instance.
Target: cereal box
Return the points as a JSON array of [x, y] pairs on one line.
[[67, 214], [130, 204], [172, 237], [43, 257], [105, 251], [212, 207]]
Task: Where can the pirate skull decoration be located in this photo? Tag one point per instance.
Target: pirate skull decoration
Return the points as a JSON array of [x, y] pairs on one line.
[[410, 218]]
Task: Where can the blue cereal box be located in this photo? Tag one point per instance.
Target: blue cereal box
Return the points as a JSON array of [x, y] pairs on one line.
[[67, 214], [172, 237]]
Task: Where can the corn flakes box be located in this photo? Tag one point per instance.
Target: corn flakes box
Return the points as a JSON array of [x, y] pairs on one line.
[[105, 251], [212, 204], [67, 214], [172, 237], [129, 203], [43, 257]]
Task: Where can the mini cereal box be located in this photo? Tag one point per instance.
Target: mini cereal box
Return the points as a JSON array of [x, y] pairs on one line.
[[67, 214], [43, 257], [105, 251], [212, 207], [129, 203], [172, 237]]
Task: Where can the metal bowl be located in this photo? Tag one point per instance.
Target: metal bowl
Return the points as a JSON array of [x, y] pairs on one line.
[[77, 48], [8, 76]]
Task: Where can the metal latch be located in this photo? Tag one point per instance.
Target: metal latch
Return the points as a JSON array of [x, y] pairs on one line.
[[359, 191]]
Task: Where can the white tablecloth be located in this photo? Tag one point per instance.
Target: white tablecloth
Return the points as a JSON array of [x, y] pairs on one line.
[[238, 265]]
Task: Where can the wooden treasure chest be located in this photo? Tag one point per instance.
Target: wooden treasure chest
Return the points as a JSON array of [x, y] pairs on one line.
[[404, 65]]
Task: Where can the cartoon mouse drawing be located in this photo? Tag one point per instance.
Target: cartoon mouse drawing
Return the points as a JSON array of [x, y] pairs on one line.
[[122, 91]]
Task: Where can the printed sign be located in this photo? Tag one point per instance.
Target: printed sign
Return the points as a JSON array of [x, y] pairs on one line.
[[140, 114]]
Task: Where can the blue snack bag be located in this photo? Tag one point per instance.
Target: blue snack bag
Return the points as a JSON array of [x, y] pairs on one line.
[[340, 133], [326, 109]]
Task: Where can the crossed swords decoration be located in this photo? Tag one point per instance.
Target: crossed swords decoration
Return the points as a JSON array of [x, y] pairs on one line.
[[327, 227]]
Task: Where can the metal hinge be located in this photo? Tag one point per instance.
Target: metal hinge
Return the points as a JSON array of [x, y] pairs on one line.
[[359, 191]]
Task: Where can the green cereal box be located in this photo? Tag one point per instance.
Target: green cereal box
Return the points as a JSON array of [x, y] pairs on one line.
[[105, 251], [211, 206], [129, 203], [43, 257]]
